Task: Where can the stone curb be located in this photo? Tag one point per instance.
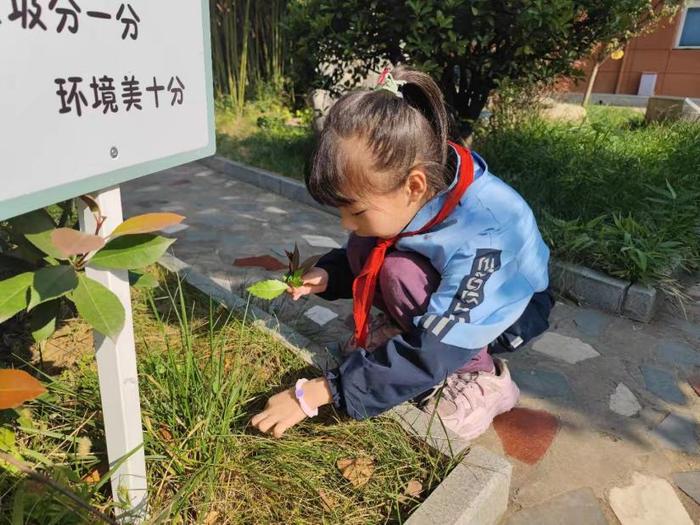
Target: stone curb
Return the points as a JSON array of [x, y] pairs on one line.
[[475, 492], [585, 285]]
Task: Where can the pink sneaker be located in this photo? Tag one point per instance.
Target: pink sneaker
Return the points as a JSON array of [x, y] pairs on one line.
[[469, 402]]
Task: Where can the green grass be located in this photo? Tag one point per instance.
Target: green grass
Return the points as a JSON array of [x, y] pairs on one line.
[[613, 193], [203, 374], [267, 135]]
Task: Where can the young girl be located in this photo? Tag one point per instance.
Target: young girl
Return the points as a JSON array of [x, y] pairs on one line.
[[449, 253]]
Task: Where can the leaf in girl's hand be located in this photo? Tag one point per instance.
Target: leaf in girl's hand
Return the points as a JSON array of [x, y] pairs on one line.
[[268, 289], [296, 257], [309, 263], [357, 471]]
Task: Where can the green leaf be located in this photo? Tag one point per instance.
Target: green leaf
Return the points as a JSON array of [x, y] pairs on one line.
[[7, 439], [33, 222], [98, 306], [42, 322], [143, 280], [268, 289], [42, 240], [51, 283], [131, 251], [13, 295]]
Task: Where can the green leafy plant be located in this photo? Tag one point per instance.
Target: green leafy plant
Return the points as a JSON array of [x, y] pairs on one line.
[[468, 47], [44, 264], [271, 288]]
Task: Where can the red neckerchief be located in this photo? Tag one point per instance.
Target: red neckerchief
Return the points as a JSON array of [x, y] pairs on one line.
[[365, 283]]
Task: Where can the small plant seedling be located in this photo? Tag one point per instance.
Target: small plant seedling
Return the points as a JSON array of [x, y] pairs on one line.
[[271, 288]]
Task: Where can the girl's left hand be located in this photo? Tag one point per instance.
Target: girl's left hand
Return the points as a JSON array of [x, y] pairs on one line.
[[281, 413]]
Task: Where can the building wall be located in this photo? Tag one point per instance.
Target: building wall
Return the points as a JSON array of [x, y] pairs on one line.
[[678, 70]]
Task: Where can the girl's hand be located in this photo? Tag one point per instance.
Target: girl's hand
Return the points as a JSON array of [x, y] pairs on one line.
[[315, 281], [282, 411]]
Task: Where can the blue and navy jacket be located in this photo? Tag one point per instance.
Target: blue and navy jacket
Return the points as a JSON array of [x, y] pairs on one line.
[[492, 260]]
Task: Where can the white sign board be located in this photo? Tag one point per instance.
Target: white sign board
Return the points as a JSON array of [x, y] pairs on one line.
[[94, 93]]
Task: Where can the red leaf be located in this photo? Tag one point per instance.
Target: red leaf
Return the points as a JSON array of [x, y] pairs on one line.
[[72, 242], [16, 387]]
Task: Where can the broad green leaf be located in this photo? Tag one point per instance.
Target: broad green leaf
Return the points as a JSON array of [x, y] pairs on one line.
[[33, 222], [131, 251], [143, 280], [98, 306], [42, 322], [268, 289], [51, 283], [73, 242], [147, 223], [42, 240], [16, 387], [36, 221], [13, 294]]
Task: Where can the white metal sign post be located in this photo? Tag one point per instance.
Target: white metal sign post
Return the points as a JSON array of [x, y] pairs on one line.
[[94, 93], [116, 367]]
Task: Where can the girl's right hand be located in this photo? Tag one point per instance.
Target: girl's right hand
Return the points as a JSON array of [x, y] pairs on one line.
[[315, 281]]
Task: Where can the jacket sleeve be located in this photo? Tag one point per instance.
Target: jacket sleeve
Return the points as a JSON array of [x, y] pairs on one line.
[[478, 298], [340, 276]]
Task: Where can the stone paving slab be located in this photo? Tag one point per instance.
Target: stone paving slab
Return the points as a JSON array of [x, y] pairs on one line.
[[568, 349], [594, 447], [578, 507], [648, 501], [679, 433], [542, 383], [624, 402], [663, 384], [689, 482]]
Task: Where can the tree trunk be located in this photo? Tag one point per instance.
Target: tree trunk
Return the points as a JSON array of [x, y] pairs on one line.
[[589, 85]]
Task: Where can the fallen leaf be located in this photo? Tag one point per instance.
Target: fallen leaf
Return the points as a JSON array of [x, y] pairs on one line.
[[357, 471], [263, 261], [330, 500], [413, 488], [164, 433], [92, 477], [16, 387], [211, 517]]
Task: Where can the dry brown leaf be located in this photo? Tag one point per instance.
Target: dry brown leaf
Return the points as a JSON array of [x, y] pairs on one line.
[[413, 488], [211, 517], [165, 434], [329, 499], [357, 471], [92, 477]]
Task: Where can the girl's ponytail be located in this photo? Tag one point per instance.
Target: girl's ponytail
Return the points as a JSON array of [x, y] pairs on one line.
[[421, 92]]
